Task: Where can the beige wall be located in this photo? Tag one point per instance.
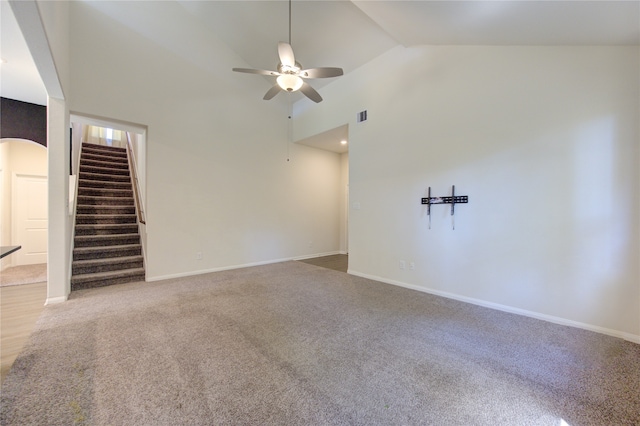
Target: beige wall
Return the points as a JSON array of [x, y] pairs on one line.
[[344, 200], [217, 177], [543, 140], [17, 157]]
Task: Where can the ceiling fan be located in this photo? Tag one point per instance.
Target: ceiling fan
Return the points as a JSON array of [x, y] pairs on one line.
[[290, 75]]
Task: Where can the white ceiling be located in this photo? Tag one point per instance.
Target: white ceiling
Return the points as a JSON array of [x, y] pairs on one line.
[[348, 34], [331, 140], [19, 78]]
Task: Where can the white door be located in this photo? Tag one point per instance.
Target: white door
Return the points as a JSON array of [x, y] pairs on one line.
[[29, 220]]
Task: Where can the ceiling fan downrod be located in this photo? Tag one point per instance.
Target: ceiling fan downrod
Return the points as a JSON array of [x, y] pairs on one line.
[[289, 22], [290, 75]]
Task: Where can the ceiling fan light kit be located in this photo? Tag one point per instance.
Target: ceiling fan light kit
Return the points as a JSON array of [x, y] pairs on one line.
[[290, 74], [289, 82]]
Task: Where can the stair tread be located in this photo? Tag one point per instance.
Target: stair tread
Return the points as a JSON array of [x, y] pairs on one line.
[[107, 248], [90, 200], [105, 178], [98, 185], [106, 216], [106, 206], [104, 170], [104, 260], [98, 182], [105, 225], [126, 197], [98, 153], [89, 145], [115, 193], [104, 159], [100, 189], [104, 164], [106, 237], [109, 274]]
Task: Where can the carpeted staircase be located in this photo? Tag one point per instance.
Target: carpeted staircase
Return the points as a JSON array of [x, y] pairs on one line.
[[107, 247]]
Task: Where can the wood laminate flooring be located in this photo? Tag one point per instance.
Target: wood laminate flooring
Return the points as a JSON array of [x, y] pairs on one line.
[[20, 307]]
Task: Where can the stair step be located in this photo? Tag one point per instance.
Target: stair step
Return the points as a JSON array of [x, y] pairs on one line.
[[102, 252], [101, 279], [104, 163], [92, 266], [85, 182], [105, 201], [107, 247], [108, 210], [91, 219], [106, 229], [104, 192], [92, 175], [110, 150], [103, 170], [101, 156], [106, 240]]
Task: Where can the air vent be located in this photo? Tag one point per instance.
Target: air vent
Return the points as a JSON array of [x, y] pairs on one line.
[[362, 116]]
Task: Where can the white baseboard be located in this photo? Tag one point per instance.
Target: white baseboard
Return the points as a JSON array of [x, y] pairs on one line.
[[313, 256], [54, 300], [208, 271], [556, 320], [228, 268]]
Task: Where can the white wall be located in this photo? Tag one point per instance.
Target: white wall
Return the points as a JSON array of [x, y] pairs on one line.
[[217, 177], [51, 55], [543, 140], [344, 202], [138, 142]]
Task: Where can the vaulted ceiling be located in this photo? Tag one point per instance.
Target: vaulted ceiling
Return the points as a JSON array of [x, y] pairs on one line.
[[348, 34]]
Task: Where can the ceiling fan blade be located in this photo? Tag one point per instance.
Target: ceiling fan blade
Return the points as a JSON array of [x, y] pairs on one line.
[[252, 71], [323, 72], [285, 51], [310, 92], [272, 92]]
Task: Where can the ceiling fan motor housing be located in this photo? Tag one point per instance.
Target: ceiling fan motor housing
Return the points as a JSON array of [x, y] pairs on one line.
[[289, 79]]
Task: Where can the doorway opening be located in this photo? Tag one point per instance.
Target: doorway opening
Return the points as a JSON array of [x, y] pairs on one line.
[[337, 140], [113, 133], [23, 211]]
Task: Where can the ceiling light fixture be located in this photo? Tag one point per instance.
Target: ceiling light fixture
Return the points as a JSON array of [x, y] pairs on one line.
[[290, 75], [289, 82]]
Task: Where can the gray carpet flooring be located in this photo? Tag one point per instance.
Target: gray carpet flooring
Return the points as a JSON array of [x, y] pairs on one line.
[[296, 344], [25, 274]]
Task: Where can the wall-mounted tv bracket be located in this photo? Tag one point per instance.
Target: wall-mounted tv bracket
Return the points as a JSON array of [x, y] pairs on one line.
[[453, 200]]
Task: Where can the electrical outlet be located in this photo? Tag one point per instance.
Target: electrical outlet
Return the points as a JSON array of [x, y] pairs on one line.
[[199, 255], [311, 244], [402, 264], [412, 266]]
